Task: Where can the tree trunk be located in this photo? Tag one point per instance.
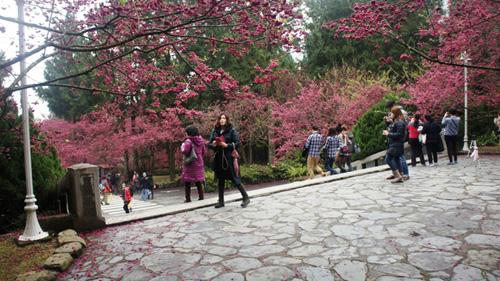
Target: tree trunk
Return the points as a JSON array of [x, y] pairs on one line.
[[250, 153], [171, 159], [127, 168], [270, 146], [243, 153]]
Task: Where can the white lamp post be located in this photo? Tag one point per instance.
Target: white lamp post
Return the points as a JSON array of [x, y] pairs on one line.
[[32, 230], [465, 58]]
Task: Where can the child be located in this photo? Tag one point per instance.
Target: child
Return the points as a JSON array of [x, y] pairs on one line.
[[127, 198]]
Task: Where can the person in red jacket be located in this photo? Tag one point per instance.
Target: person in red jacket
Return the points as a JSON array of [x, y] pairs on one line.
[[127, 198], [416, 146]]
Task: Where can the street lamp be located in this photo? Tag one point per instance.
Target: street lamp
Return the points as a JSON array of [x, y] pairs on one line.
[[465, 58], [32, 230]]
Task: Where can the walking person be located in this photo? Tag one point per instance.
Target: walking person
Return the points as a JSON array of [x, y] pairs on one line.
[[450, 123], [313, 144], [396, 137], [105, 186], [127, 198], [346, 148], [432, 133], [416, 146], [389, 120], [225, 141], [145, 187], [331, 147], [193, 172], [135, 182]]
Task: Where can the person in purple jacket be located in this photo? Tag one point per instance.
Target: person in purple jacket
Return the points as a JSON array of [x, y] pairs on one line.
[[193, 172]]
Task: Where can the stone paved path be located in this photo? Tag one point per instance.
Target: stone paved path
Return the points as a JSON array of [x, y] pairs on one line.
[[442, 224]]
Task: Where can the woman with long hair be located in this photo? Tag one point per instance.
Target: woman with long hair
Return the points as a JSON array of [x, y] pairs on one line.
[[396, 138], [225, 141], [432, 132]]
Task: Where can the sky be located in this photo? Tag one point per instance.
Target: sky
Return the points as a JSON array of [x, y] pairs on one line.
[[9, 45]]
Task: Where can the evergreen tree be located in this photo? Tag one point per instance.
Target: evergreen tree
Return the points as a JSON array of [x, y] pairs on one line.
[[324, 51]]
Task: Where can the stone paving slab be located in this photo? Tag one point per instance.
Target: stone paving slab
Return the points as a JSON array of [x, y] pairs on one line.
[[442, 224], [147, 209]]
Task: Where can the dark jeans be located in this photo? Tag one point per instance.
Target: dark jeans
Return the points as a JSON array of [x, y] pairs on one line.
[[187, 189], [221, 185], [329, 165], [416, 150], [394, 162], [451, 146], [432, 151]]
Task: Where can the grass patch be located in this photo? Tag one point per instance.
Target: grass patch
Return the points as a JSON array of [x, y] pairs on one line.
[[15, 260]]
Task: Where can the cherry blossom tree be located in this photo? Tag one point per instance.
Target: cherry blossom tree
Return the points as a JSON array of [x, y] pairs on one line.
[[469, 26], [342, 97], [136, 49]]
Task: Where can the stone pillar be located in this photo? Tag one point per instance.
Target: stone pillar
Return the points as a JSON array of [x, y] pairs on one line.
[[84, 198]]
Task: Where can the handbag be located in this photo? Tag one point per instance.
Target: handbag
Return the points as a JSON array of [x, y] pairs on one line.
[[191, 157], [344, 151], [422, 138], [236, 165]]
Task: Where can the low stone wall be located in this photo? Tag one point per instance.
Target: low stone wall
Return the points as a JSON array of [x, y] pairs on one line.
[[70, 247]]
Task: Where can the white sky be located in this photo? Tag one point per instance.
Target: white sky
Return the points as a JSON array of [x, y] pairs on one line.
[[9, 45]]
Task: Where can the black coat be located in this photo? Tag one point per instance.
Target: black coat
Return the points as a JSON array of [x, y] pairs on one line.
[[223, 161], [432, 131], [396, 138]]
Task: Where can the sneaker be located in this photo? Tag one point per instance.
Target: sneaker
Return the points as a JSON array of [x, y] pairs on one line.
[[432, 165], [245, 203], [450, 163], [455, 163]]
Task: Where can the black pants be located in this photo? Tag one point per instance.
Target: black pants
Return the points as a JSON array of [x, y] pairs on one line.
[[125, 206], [221, 185], [416, 150], [187, 189], [451, 146], [432, 151]]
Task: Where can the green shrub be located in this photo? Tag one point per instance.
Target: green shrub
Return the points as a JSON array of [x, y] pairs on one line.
[[290, 169], [487, 139]]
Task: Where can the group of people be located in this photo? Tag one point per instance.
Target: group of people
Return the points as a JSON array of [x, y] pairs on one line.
[[224, 141], [143, 184], [420, 131], [337, 148]]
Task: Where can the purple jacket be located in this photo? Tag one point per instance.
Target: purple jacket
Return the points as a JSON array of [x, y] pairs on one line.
[[194, 171]]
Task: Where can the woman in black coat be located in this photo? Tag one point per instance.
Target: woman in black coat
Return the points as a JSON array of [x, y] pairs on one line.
[[225, 140], [433, 137], [396, 137]]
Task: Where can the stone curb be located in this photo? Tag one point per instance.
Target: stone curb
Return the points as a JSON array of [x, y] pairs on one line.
[[70, 247], [181, 208]]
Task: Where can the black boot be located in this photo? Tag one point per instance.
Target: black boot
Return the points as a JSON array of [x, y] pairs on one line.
[[245, 202], [220, 188], [244, 194], [187, 189], [200, 191]]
